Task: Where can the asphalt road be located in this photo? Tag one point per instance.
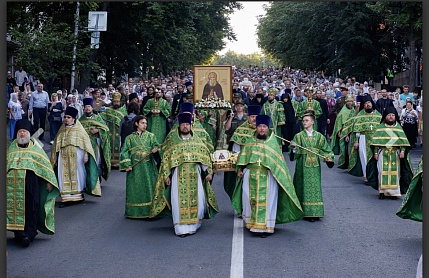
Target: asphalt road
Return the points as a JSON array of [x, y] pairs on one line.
[[360, 236]]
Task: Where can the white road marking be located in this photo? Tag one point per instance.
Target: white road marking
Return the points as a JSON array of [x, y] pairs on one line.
[[237, 249]]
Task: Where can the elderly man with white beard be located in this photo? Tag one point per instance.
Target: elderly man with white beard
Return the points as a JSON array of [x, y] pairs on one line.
[[31, 187]]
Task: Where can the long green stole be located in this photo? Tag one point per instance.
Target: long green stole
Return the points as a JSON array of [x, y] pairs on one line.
[[258, 194], [389, 138], [20, 160], [103, 132], [243, 133], [342, 117], [184, 155], [366, 124], [268, 155], [113, 118], [69, 137]]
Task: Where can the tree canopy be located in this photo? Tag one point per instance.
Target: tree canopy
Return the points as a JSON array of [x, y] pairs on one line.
[[356, 38], [243, 60], [141, 37]]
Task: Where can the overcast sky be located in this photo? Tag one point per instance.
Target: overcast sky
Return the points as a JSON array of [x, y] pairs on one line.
[[244, 24]]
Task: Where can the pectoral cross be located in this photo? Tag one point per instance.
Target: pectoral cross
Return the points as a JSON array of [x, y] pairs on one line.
[[371, 126], [259, 162]]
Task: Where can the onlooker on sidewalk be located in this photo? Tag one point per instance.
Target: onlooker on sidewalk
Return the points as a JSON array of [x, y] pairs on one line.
[[39, 100], [15, 113], [24, 103], [19, 77]]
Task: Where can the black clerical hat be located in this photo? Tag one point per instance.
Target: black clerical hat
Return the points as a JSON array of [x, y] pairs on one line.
[[23, 124]]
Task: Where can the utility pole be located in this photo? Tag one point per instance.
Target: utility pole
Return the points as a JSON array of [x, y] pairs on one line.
[[76, 30]]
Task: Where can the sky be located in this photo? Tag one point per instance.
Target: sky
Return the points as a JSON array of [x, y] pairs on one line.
[[243, 23]]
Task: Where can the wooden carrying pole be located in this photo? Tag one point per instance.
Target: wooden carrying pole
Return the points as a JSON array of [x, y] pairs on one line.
[[308, 150]]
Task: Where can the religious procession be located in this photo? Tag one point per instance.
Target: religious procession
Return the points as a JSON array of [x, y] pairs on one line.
[[172, 135], [213, 139]]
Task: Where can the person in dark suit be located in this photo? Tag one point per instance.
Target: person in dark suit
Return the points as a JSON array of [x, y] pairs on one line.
[[384, 102]]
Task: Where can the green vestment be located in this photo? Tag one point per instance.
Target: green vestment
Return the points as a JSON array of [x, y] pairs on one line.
[[113, 118], [259, 157], [412, 204], [183, 156], [140, 183], [307, 178], [241, 136], [276, 112], [312, 105], [338, 144], [67, 139], [102, 149], [389, 139], [157, 123], [19, 160], [197, 129], [208, 123], [365, 124]]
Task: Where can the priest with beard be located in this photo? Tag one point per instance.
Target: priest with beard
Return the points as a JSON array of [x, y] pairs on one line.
[[157, 110], [264, 194], [183, 189], [74, 161], [150, 94], [240, 137], [390, 144], [359, 131], [99, 134], [113, 116], [338, 144], [31, 187], [309, 105]]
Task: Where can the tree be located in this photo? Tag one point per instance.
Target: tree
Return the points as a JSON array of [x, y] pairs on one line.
[[329, 36], [42, 31], [243, 60], [404, 22], [151, 37], [141, 37]]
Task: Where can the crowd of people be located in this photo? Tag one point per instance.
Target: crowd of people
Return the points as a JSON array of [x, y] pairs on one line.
[[152, 130]]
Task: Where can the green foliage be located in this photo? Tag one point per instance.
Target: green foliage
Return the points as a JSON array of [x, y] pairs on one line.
[[340, 35], [142, 37], [242, 60], [44, 33], [45, 52], [151, 37]]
